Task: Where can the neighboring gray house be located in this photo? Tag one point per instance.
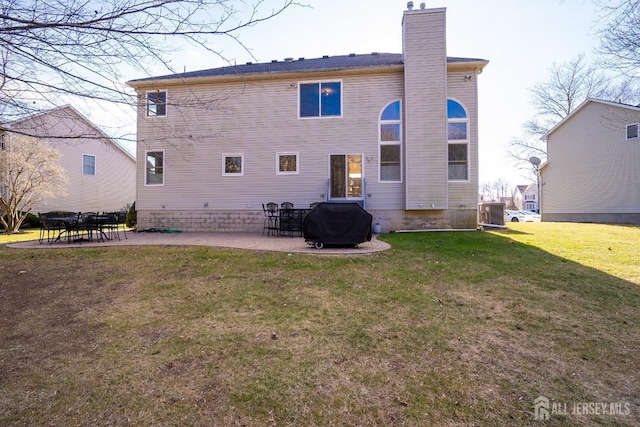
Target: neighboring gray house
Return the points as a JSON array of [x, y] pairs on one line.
[[102, 174], [592, 173], [397, 133]]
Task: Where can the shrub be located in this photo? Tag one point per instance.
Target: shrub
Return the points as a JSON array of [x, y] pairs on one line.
[[132, 216]]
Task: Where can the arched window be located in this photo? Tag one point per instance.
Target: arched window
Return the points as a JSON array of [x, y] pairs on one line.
[[390, 143], [458, 136]]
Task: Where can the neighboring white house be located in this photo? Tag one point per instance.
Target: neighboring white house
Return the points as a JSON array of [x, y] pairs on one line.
[[525, 197], [592, 173], [397, 133], [102, 174]]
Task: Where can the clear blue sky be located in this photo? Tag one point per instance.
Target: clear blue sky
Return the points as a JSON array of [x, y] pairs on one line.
[[520, 38]]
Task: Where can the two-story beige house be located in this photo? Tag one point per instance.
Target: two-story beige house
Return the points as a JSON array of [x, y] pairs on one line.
[[397, 133], [592, 173], [101, 172]]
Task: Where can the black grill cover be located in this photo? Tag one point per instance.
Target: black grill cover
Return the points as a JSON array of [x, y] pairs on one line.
[[337, 224]]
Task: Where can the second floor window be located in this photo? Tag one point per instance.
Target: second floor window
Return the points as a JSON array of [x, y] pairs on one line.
[[156, 103], [321, 99], [632, 131], [88, 164]]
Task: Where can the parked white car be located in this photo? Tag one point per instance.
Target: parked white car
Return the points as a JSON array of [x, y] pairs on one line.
[[532, 216], [515, 216]]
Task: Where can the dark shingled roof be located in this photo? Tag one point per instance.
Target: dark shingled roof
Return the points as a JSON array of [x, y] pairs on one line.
[[301, 64]]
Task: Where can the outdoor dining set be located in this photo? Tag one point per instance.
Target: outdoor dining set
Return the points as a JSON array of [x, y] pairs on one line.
[[79, 227], [284, 219]]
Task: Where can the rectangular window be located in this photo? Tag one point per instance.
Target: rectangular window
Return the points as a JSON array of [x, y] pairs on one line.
[[155, 168], [156, 103], [322, 99], [632, 131], [458, 162], [457, 131], [287, 163], [529, 196], [390, 165], [232, 164], [88, 164]]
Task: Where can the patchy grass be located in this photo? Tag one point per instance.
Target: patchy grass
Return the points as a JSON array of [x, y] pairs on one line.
[[458, 328]]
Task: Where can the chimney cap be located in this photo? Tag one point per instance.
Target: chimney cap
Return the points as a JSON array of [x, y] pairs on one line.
[[422, 6], [410, 5]]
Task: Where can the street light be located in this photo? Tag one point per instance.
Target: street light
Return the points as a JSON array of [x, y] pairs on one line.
[[535, 161]]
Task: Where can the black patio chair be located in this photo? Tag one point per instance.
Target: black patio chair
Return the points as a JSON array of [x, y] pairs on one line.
[[270, 219], [49, 227]]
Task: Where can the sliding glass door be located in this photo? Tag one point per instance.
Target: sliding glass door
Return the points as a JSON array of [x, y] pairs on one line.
[[346, 175]]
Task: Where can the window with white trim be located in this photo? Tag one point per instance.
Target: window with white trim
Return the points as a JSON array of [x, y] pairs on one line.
[[154, 164], [390, 143], [88, 164], [156, 103], [458, 138], [632, 131], [320, 99], [233, 164], [287, 163]]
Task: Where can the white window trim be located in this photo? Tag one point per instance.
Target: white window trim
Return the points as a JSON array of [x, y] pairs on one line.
[[626, 133], [242, 165], [287, 153], [381, 142], [164, 168], [95, 165], [320, 116], [146, 103]]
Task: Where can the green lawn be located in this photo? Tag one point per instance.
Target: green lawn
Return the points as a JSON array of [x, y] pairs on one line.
[[446, 328]]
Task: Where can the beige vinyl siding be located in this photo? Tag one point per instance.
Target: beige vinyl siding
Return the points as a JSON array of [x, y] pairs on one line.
[[424, 48], [260, 119], [592, 167], [465, 194], [113, 185]]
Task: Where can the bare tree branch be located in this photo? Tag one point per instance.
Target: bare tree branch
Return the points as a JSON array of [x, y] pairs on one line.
[[56, 50]]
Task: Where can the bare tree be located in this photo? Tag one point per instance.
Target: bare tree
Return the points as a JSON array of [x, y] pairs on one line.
[[568, 85], [620, 35], [30, 173], [56, 50]]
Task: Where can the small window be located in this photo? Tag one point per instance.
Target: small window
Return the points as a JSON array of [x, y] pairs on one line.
[[287, 164], [154, 168], [632, 131], [232, 164], [156, 103], [88, 164], [322, 99]]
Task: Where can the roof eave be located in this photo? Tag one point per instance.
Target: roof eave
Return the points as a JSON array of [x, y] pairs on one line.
[[269, 75]]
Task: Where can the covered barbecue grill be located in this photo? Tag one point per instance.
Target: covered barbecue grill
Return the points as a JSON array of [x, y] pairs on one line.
[[337, 224]]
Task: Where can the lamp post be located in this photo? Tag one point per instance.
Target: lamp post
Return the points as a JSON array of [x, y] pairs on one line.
[[535, 161]]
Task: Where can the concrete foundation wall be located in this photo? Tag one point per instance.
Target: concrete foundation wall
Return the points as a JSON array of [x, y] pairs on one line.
[[608, 218], [252, 221]]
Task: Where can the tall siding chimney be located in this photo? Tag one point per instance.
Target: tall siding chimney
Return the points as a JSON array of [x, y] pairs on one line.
[[425, 106]]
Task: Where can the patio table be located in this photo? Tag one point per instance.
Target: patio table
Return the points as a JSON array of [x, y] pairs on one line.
[[290, 221]]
